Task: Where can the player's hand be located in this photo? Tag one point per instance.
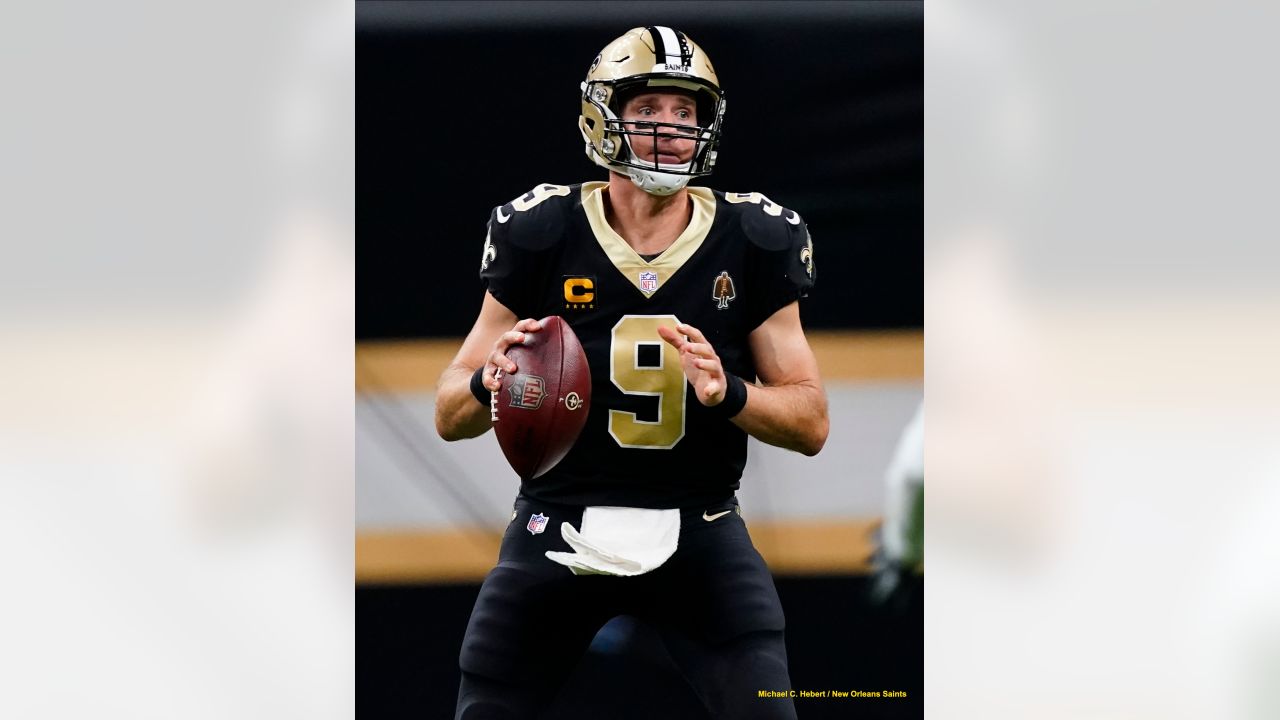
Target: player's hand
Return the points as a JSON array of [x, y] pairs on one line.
[[701, 364], [497, 358]]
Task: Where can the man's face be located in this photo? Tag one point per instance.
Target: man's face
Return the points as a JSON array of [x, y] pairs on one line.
[[665, 106]]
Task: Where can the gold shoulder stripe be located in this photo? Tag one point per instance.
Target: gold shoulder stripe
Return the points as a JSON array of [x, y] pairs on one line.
[[625, 259]]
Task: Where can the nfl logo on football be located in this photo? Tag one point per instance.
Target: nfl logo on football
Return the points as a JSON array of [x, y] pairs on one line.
[[526, 392], [648, 282], [537, 523]]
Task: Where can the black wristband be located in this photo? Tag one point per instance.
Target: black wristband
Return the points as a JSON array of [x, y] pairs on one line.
[[483, 396], [735, 397]]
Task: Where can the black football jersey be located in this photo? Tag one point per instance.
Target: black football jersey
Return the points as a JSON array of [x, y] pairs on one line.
[[648, 442]]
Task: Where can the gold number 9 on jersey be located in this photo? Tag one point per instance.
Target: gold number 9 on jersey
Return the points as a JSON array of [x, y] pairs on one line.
[[641, 363]]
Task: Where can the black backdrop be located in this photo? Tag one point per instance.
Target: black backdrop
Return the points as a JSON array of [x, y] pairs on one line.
[[461, 107]]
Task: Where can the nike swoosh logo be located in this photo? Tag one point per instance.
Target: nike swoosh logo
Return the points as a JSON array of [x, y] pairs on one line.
[[502, 218], [713, 518], [794, 219]]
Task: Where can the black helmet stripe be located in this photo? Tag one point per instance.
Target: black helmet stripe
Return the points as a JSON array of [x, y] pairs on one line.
[[686, 55], [669, 46]]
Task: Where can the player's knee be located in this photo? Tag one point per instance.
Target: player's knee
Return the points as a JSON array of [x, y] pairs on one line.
[[486, 709], [481, 698], [757, 662], [481, 710], [764, 656]]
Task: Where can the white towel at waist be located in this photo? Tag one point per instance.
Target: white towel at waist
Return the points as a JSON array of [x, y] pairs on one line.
[[619, 541]]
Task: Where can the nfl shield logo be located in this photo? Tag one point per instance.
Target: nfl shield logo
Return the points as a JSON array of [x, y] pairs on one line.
[[526, 392], [537, 523], [648, 282]]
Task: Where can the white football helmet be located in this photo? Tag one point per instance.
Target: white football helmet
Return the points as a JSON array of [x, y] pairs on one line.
[[650, 57]]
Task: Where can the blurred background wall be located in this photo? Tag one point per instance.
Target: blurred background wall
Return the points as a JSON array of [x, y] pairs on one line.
[[463, 106]]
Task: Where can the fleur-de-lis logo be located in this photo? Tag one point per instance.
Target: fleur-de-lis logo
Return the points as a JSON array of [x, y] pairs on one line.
[[490, 253], [806, 256]]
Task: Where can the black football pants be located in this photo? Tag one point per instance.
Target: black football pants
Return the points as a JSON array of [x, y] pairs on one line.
[[713, 604]]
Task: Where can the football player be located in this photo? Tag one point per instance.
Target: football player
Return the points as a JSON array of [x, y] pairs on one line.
[[685, 301]]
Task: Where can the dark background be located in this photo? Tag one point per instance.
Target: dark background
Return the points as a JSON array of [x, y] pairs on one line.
[[461, 107], [464, 106]]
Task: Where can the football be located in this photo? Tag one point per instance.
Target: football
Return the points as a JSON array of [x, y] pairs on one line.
[[542, 407]]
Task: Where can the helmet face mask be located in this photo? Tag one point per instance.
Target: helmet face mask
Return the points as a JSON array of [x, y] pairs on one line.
[[656, 59]]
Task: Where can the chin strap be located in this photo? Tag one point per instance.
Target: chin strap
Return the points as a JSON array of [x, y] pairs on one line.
[[654, 182], [657, 183]]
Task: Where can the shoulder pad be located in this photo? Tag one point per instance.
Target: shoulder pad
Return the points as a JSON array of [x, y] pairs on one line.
[[535, 220], [767, 224]]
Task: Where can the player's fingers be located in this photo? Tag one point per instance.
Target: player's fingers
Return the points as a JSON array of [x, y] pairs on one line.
[[699, 349], [671, 336], [708, 365], [502, 361], [694, 333], [528, 325], [712, 390], [489, 378], [509, 338]]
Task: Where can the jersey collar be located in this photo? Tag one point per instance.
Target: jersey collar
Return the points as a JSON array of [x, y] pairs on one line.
[[626, 260]]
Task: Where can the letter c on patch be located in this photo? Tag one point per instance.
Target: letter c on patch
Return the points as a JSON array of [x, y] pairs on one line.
[[579, 290]]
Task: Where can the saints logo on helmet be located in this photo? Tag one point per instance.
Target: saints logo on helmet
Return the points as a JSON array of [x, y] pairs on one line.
[[653, 57]]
